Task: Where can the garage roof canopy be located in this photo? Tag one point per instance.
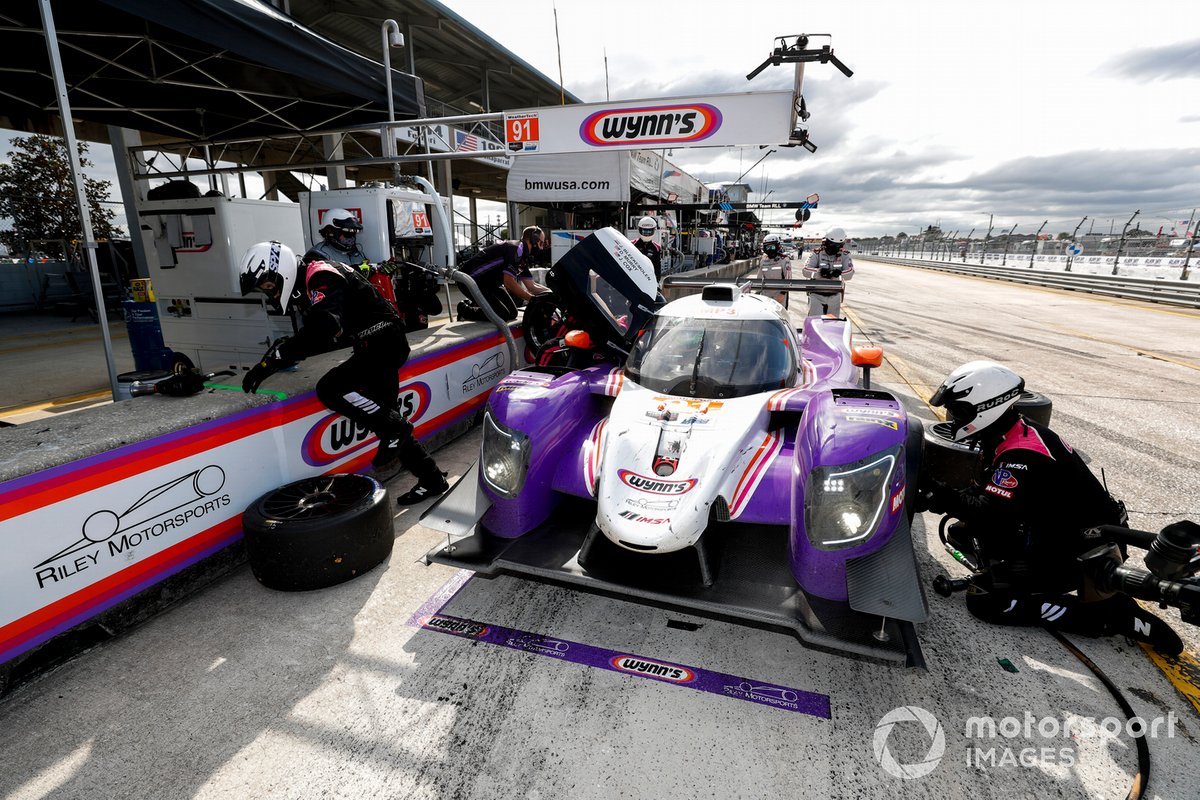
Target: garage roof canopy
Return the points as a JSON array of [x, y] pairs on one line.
[[191, 69]]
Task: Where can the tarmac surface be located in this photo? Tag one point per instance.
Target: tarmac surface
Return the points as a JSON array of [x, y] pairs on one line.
[[239, 691]]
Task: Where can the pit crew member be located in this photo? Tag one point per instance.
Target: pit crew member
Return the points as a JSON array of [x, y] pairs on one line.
[[501, 269], [831, 261], [1029, 514], [340, 307]]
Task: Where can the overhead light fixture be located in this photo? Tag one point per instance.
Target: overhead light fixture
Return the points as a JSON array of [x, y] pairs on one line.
[[799, 138]]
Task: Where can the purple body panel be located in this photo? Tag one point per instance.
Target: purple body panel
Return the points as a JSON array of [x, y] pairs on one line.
[[771, 502], [556, 415], [828, 438]]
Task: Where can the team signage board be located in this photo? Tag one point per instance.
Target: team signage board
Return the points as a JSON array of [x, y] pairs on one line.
[[83, 536], [714, 121], [570, 178]]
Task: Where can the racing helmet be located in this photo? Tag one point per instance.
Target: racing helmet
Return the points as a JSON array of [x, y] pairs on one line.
[[772, 245], [976, 395], [341, 229], [270, 268], [646, 227], [834, 241]]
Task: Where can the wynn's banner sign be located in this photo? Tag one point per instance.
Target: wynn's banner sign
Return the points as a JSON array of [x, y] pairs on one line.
[[714, 121]]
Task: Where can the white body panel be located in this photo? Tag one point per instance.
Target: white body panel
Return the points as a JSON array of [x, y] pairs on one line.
[[665, 513]]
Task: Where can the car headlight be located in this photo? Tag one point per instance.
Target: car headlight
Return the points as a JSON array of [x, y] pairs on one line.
[[844, 504], [505, 457]]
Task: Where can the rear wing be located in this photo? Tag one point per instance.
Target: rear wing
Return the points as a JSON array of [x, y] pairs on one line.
[[814, 286]]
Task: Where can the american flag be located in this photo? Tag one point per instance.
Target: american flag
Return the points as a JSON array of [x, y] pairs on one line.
[[465, 142]]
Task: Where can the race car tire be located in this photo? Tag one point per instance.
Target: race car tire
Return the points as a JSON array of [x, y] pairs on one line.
[[913, 452], [318, 532], [943, 459], [1035, 406], [542, 322]]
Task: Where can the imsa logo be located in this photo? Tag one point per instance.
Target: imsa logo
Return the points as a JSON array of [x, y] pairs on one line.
[[653, 669], [655, 485], [670, 124]]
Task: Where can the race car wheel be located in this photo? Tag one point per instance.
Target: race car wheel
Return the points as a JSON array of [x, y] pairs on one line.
[[1035, 406], [544, 322], [318, 532], [953, 463]]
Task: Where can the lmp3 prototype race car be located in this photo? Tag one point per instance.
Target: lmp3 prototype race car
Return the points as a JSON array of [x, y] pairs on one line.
[[702, 455]]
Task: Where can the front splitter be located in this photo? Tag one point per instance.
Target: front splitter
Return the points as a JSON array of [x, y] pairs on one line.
[[752, 584]]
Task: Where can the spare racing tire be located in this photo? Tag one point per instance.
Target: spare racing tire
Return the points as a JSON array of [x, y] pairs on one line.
[[318, 532], [1035, 406]]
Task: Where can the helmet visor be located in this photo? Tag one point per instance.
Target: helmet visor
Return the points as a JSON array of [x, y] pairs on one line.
[[269, 282]]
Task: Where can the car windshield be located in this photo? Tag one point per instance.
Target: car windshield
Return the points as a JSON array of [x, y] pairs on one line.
[[712, 358]]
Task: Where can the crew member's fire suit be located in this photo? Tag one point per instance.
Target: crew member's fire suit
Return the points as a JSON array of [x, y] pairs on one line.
[[651, 250], [1028, 517], [341, 307], [823, 265], [489, 268], [779, 267]]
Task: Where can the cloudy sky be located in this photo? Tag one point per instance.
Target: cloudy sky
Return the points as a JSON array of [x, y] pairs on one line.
[[1025, 110]]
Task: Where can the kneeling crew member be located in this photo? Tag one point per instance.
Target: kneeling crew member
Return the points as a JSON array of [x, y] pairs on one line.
[[1029, 515]]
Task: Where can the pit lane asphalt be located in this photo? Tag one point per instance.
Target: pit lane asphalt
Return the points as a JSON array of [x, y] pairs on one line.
[[244, 692]]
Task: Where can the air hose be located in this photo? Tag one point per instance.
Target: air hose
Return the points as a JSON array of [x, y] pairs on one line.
[[1142, 777]]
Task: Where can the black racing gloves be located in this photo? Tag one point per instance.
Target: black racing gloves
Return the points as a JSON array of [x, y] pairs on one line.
[[259, 373], [272, 361]]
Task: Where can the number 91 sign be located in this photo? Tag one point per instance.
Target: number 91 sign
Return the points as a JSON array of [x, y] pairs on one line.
[[521, 132]]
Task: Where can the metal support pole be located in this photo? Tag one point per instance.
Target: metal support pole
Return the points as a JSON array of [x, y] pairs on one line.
[[85, 217], [1033, 250], [967, 246], [1188, 240], [1007, 240], [986, 239], [1071, 258], [1121, 244], [392, 37]]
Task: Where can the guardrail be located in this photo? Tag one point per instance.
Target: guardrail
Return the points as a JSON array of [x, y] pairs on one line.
[[1155, 290]]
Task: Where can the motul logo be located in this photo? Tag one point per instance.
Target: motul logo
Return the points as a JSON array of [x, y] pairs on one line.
[[655, 485], [651, 125]]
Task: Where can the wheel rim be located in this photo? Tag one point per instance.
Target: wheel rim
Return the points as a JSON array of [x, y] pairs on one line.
[[315, 498]]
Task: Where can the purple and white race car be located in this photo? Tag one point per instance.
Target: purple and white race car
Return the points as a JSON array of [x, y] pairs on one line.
[[703, 455]]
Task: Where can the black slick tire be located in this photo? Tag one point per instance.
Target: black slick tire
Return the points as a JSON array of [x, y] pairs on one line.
[[318, 532]]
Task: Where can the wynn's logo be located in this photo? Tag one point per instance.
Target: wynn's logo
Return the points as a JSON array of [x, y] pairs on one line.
[[675, 124], [655, 485]]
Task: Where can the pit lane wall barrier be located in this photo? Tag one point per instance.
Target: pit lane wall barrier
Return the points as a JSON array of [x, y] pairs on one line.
[[110, 514], [1159, 268], [1136, 280]]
